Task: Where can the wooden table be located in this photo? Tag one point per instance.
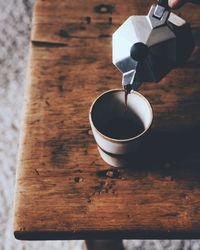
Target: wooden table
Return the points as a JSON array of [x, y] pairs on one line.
[[64, 190]]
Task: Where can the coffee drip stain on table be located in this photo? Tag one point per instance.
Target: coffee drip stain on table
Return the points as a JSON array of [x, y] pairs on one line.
[[64, 189]]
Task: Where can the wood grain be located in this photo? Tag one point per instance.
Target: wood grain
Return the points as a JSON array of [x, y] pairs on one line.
[[64, 190]]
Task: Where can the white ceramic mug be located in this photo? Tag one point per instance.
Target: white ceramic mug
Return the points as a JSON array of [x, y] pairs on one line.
[[111, 104]]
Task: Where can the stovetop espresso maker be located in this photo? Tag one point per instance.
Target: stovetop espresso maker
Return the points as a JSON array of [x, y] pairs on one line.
[[146, 48]]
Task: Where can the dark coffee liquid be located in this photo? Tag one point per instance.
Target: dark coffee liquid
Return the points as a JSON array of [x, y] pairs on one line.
[[122, 128], [126, 98]]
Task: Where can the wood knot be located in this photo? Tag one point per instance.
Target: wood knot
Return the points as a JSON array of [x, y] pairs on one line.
[[78, 179], [104, 8], [109, 173], [63, 33], [88, 19]]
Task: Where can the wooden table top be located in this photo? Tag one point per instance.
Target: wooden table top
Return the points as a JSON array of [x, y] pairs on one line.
[[64, 189]]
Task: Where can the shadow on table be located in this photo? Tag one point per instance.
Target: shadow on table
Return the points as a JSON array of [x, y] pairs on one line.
[[169, 153], [174, 154]]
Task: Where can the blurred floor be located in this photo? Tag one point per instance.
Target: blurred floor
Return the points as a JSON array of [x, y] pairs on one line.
[[15, 21]]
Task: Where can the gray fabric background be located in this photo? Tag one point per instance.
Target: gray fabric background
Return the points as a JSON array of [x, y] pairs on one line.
[[15, 18]]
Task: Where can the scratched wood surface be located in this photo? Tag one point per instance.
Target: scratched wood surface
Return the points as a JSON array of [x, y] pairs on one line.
[[64, 190]]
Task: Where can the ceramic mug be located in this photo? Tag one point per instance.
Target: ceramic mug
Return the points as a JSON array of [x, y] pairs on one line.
[[111, 105]]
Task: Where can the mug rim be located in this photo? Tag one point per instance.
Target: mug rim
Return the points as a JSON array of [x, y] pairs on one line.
[[114, 139]]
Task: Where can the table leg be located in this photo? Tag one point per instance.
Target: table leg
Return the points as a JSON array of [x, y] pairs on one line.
[[103, 245]]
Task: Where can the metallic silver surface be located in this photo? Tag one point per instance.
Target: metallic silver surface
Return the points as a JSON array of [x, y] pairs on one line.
[[154, 21], [163, 32], [159, 11]]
